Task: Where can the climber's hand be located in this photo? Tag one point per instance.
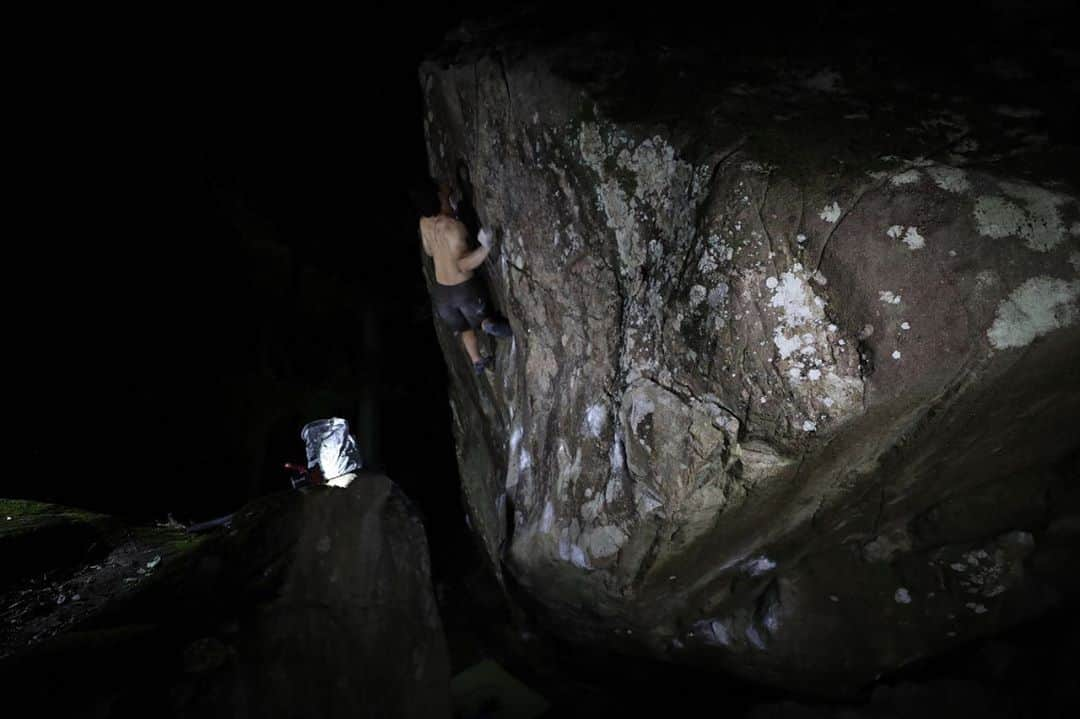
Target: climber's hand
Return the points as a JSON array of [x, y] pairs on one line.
[[485, 238]]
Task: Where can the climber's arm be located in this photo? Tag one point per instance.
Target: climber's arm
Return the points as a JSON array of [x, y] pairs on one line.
[[424, 239], [471, 260]]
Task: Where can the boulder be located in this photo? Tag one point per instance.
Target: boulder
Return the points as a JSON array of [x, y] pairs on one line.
[[312, 602], [796, 363]]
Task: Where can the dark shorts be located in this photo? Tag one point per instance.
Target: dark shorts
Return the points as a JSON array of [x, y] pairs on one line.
[[463, 306]]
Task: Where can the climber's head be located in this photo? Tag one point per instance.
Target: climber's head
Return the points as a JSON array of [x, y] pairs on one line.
[[425, 198], [446, 202]]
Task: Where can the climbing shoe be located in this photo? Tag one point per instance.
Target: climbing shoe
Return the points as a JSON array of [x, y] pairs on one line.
[[482, 364], [497, 327]]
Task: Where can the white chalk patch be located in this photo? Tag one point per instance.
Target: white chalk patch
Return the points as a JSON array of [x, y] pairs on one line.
[[1038, 306], [834, 598], [809, 426], [754, 637], [896, 354], [801, 238], [758, 565], [526, 460], [902, 596], [814, 374], [830, 213], [895, 231], [548, 518], [905, 325], [596, 417]]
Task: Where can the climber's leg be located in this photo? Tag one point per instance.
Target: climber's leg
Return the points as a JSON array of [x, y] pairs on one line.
[[496, 326], [472, 345]]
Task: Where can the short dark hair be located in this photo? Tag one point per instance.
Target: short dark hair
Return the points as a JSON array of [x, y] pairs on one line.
[[424, 198]]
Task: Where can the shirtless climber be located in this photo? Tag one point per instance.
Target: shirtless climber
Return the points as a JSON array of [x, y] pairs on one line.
[[460, 299]]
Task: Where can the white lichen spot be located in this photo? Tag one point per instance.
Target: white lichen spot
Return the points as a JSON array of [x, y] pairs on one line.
[[950, 179], [895, 231], [697, 295], [830, 213], [828, 401], [1039, 225], [814, 375], [889, 297], [905, 325], [525, 461], [902, 596], [790, 297], [834, 598], [1038, 306], [905, 178], [547, 520], [896, 354], [800, 238], [809, 426], [771, 282], [913, 239]]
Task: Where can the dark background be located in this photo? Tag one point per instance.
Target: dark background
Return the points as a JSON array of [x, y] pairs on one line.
[[216, 244]]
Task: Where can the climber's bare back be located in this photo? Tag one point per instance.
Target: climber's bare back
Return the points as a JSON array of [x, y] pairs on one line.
[[444, 241]]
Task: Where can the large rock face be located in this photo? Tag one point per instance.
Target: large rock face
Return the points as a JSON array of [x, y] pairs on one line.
[[795, 378]]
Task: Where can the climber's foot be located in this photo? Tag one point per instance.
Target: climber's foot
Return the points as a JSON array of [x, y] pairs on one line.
[[497, 327], [484, 363]]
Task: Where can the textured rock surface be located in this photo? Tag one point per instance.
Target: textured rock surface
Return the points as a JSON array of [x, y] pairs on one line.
[[316, 602], [795, 376]]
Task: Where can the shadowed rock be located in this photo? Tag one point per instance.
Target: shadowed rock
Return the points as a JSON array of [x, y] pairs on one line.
[[315, 602]]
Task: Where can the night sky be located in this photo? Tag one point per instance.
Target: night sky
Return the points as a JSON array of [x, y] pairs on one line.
[[210, 205]]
